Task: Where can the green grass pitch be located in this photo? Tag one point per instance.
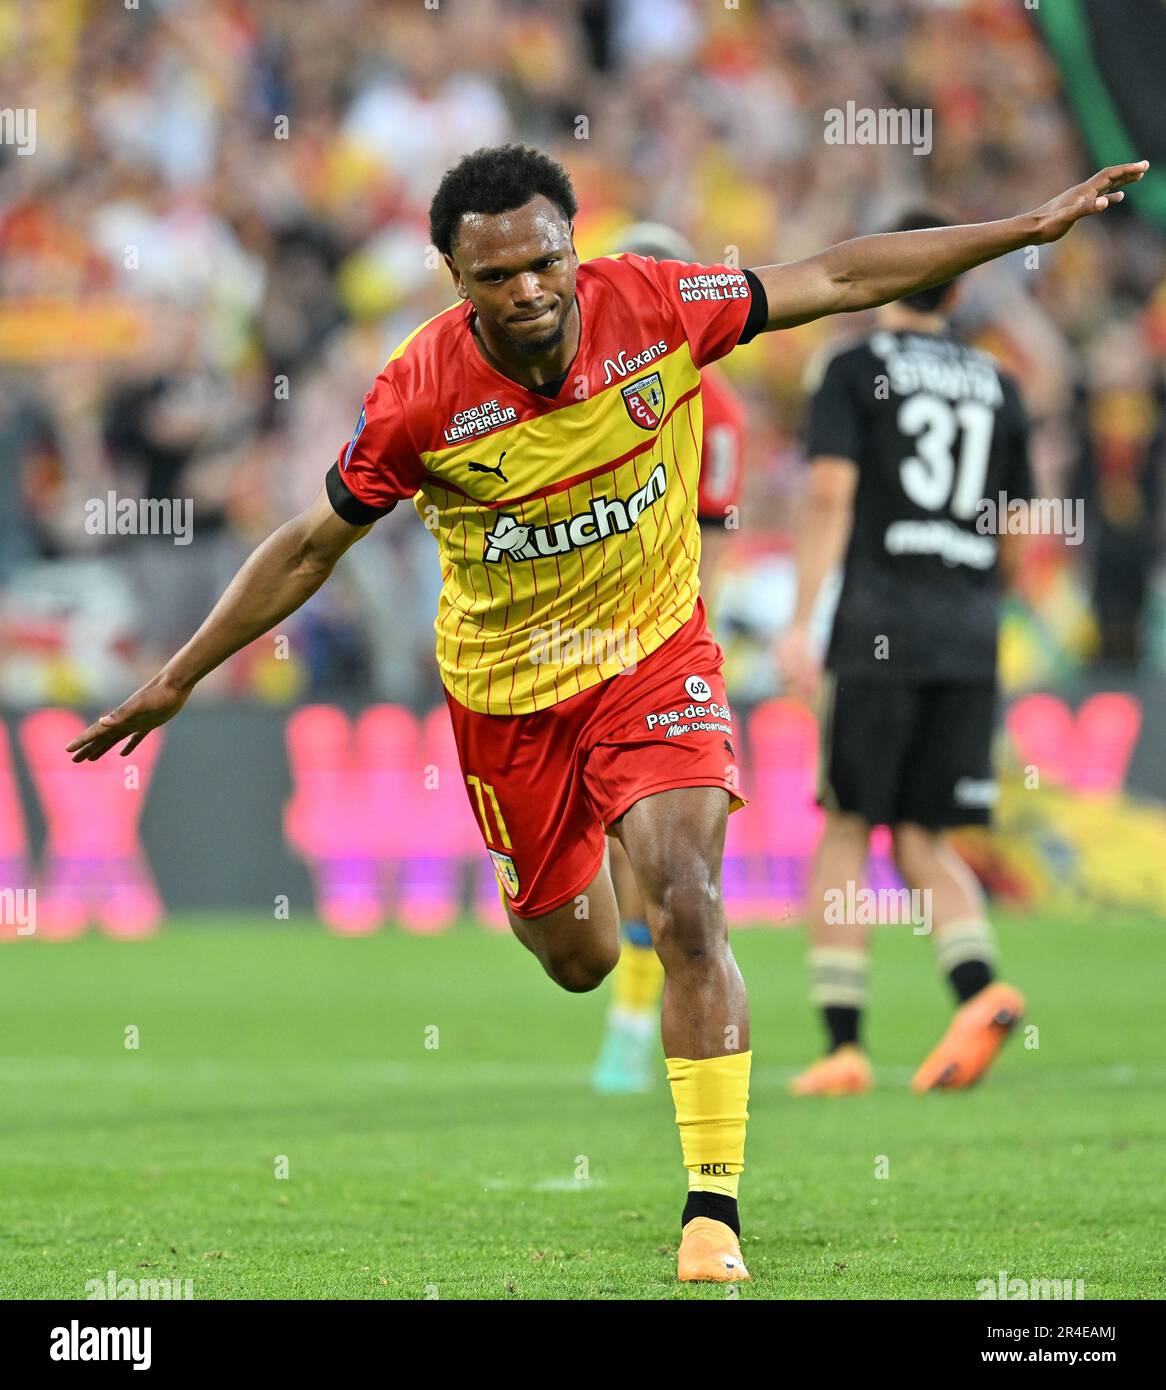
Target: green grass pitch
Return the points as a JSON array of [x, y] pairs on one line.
[[453, 1171]]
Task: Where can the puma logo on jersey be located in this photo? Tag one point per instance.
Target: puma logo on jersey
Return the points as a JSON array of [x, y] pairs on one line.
[[606, 516], [496, 468]]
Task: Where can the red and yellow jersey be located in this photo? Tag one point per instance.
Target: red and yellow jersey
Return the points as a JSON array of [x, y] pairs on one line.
[[566, 524]]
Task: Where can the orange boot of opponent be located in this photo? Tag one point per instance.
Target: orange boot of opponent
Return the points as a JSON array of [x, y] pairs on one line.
[[845, 1072], [972, 1041]]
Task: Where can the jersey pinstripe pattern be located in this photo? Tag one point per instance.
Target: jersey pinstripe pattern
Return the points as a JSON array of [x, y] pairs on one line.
[[564, 525]]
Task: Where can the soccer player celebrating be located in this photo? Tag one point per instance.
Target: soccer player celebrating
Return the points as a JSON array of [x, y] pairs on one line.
[[625, 1061], [547, 428], [910, 433]]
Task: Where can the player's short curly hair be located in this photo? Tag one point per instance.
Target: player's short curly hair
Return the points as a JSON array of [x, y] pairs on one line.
[[496, 178]]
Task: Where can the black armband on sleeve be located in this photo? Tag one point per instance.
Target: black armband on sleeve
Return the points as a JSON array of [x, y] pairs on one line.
[[347, 506], [758, 309]]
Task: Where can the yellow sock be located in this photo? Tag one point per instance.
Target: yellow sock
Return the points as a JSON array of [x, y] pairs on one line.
[[639, 978], [711, 1096]]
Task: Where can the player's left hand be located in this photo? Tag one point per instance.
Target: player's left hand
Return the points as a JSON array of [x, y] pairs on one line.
[[1094, 195]]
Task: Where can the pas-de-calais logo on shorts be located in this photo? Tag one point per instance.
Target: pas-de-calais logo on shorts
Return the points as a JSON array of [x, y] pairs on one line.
[[506, 872], [698, 688]]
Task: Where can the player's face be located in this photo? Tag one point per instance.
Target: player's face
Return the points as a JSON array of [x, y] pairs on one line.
[[518, 270]]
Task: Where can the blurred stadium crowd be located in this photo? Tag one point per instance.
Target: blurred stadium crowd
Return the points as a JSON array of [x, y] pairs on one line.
[[222, 233]]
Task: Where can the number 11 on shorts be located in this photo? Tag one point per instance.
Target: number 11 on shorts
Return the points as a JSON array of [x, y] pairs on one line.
[[480, 787]]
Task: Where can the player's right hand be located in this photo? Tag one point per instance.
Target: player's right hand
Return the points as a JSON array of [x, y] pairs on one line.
[[155, 703], [800, 671]]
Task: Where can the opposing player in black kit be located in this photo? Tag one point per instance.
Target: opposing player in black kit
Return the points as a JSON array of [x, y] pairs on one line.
[[912, 438]]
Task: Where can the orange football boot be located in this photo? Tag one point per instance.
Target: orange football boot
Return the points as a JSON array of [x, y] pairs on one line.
[[709, 1253], [846, 1072], [972, 1040]]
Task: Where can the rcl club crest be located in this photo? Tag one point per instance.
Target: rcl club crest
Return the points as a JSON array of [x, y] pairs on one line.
[[644, 401], [506, 873]]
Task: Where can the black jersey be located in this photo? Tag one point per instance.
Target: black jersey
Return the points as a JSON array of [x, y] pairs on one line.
[[936, 429]]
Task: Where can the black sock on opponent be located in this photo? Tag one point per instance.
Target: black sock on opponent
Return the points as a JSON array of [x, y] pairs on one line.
[[842, 1021], [970, 977], [842, 1025]]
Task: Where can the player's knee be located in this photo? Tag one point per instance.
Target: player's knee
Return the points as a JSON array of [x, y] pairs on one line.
[[690, 918], [578, 972], [845, 828], [914, 850]]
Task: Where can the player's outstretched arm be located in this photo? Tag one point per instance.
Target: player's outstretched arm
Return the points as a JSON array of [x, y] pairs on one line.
[[872, 270], [274, 581]]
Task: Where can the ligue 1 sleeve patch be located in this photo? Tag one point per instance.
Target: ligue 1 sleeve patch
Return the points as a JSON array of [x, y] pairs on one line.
[[355, 437], [506, 872], [644, 401]]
